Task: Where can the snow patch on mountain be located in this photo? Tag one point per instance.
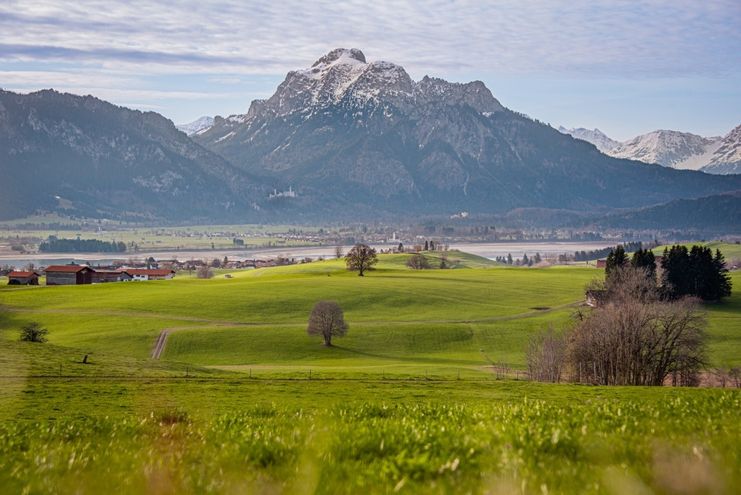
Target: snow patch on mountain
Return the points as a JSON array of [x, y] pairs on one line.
[[198, 126]]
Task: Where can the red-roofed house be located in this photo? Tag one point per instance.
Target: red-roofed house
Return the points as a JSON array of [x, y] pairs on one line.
[[69, 275], [150, 274], [23, 278]]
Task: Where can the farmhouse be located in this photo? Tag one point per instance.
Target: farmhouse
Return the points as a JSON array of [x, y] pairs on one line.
[[601, 263], [150, 274], [69, 275], [23, 278], [595, 298]]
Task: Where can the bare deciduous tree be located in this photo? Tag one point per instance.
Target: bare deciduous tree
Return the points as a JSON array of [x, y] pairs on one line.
[[631, 338], [338, 253], [327, 320], [546, 357], [418, 262], [636, 343], [204, 271], [361, 258]]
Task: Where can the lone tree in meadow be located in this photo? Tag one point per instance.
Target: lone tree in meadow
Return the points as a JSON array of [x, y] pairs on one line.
[[327, 320], [361, 258], [33, 332]]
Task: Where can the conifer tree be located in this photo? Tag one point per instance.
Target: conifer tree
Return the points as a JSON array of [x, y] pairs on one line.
[[615, 260]]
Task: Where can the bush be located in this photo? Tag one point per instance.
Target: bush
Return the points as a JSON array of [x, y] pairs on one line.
[[204, 271], [418, 262], [33, 332]]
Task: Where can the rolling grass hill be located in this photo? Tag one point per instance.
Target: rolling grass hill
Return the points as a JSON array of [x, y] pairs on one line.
[[401, 321]]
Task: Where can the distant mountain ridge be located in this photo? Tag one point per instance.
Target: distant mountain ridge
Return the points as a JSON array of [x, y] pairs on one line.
[[83, 156], [674, 149], [718, 214]]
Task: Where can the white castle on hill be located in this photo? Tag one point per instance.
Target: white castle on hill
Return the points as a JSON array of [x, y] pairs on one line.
[[282, 194]]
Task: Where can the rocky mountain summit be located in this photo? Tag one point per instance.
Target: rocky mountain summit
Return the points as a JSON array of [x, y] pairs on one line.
[[346, 131]]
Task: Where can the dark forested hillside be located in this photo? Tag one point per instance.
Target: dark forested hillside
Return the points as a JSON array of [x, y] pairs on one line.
[[83, 156], [712, 213]]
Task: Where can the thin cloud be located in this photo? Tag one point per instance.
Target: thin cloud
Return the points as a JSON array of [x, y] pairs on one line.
[[626, 38], [208, 47]]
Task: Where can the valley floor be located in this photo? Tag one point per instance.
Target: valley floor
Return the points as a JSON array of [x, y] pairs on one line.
[[242, 400]]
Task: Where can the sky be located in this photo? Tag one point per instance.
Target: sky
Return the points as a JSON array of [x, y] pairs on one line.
[[626, 67]]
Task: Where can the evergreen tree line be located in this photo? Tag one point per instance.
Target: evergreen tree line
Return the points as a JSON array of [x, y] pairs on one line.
[[601, 253], [684, 272], [53, 244], [525, 261]]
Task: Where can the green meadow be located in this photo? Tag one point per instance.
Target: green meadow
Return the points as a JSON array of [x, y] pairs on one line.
[[242, 400]]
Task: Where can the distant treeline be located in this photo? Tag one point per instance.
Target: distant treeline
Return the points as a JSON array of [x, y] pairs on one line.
[[55, 245], [597, 254]]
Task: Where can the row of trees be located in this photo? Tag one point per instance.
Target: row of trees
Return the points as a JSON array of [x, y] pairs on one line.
[[524, 261], [694, 272], [56, 245], [596, 254]]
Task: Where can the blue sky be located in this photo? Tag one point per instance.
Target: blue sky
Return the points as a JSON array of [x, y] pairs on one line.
[[625, 67]]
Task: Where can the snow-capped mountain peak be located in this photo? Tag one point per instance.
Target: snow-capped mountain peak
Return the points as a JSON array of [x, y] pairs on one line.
[[198, 126], [338, 56], [665, 147], [727, 156], [344, 76], [594, 136], [674, 149]]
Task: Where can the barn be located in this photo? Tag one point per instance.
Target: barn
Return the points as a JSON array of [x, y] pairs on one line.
[[69, 275], [17, 277], [150, 274], [102, 276]]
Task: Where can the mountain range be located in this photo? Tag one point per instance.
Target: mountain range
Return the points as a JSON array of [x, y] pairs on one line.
[[82, 156], [674, 149], [344, 139]]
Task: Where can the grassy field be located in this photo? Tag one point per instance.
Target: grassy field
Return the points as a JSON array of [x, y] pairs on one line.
[[243, 401], [731, 251]]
